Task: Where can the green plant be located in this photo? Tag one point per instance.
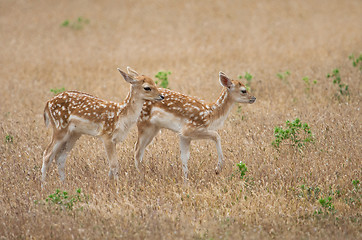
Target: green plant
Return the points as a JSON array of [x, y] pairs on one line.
[[327, 206], [9, 139], [355, 184], [310, 193], [343, 88], [62, 200], [162, 78], [353, 197], [296, 132], [356, 61], [248, 77], [308, 85], [242, 169], [57, 90], [239, 109], [313, 194], [77, 24], [65, 23], [283, 76]]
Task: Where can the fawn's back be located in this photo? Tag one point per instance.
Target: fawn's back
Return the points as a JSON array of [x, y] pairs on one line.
[[176, 111], [83, 107]]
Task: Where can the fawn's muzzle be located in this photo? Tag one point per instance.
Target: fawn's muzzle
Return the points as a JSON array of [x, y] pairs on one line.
[[252, 100]]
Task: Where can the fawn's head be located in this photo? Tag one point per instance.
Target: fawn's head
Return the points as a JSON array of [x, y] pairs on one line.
[[236, 89], [144, 86]]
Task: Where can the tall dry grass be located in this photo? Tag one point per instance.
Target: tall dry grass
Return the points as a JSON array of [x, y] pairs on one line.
[[194, 40]]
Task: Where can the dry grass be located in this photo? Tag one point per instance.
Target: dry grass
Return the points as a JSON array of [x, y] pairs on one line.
[[194, 40]]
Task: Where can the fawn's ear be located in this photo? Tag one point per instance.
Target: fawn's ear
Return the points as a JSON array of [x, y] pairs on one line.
[[224, 80], [132, 72], [127, 77]]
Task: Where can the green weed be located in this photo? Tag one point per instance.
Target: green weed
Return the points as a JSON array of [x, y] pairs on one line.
[[239, 109], [242, 169], [308, 84], [162, 77], [77, 24], [356, 62], [57, 90], [353, 197], [241, 172], [313, 194], [342, 88], [62, 200], [327, 206], [284, 76], [355, 184], [310, 193], [296, 133], [9, 139], [248, 77]]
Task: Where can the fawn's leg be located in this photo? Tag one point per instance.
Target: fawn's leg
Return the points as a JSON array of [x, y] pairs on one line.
[[145, 136], [214, 136], [62, 154], [110, 147], [51, 151], [185, 154]]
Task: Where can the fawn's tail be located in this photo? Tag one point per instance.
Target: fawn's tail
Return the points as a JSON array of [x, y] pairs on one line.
[[46, 115]]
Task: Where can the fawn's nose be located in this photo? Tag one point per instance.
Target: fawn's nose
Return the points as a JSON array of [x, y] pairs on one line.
[[252, 100]]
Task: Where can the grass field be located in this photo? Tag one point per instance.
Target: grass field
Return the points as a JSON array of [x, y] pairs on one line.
[[280, 195]]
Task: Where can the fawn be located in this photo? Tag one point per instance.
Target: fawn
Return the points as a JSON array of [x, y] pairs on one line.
[[72, 114], [191, 118]]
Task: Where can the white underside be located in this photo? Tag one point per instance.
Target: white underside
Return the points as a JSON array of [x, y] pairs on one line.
[[164, 119], [167, 120], [84, 126]]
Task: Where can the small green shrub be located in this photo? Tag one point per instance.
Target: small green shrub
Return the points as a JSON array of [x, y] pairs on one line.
[[248, 77], [327, 206], [242, 169], [62, 200], [239, 109], [342, 88], [296, 133], [310, 193], [9, 139], [77, 24], [308, 84], [283, 76], [353, 197], [314, 195], [162, 78], [356, 62], [56, 91], [355, 184]]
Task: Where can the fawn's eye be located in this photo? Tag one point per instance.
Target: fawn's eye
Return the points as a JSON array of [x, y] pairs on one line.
[[147, 88], [243, 90]]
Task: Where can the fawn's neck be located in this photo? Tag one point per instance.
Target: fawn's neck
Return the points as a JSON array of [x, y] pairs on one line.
[[131, 106], [221, 109]]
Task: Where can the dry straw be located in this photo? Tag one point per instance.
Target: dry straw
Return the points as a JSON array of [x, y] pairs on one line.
[[194, 40]]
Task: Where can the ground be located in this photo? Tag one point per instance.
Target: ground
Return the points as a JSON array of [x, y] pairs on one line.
[[283, 195]]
